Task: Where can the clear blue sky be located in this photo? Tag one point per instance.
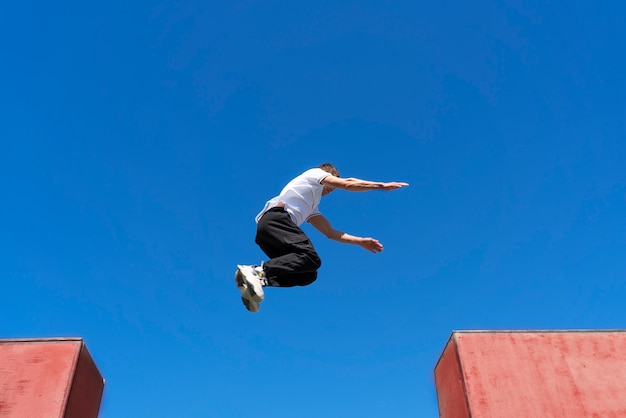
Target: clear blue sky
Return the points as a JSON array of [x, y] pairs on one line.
[[139, 139]]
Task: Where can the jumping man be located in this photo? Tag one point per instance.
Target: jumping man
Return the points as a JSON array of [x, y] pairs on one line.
[[293, 260]]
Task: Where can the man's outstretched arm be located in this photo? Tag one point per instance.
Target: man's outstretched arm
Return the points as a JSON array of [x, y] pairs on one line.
[[323, 225], [358, 185]]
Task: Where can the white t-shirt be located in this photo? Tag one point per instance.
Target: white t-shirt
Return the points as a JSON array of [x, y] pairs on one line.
[[300, 196]]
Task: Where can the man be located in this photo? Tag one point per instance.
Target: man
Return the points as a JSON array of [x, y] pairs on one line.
[[292, 259]]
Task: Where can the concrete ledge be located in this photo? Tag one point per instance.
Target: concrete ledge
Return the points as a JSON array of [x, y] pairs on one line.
[[53, 377], [579, 373]]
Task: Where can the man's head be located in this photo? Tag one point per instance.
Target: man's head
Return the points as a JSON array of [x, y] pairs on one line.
[[329, 168]]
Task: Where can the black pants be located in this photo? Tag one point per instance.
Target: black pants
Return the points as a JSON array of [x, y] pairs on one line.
[[293, 260]]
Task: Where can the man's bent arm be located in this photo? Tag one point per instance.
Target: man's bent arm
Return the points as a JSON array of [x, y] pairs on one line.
[[322, 224], [357, 185]]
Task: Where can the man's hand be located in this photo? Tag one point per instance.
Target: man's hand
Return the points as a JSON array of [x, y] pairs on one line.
[[372, 245], [394, 185]]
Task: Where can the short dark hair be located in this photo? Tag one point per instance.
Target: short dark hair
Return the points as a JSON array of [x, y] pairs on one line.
[[329, 168]]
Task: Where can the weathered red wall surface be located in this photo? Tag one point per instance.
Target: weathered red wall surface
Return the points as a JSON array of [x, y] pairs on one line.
[[48, 378], [533, 374]]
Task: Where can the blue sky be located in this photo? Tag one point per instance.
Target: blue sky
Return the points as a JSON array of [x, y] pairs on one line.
[[139, 140]]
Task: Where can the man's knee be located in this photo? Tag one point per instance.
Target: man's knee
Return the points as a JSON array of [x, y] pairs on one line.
[[315, 261], [309, 279]]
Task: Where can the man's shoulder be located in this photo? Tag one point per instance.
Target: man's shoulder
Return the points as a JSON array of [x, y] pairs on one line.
[[316, 175], [314, 170]]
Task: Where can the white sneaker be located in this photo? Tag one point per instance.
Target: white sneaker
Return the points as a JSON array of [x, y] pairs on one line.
[[248, 282]]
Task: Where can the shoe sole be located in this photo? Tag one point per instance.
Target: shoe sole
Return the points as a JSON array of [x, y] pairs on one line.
[[240, 280], [243, 283], [250, 305]]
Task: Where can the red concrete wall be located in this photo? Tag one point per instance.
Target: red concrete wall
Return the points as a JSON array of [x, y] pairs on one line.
[[48, 378], [533, 374], [450, 389]]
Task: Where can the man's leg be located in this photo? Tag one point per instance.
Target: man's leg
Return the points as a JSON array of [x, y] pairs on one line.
[[293, 259]]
